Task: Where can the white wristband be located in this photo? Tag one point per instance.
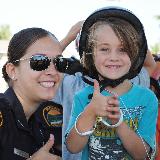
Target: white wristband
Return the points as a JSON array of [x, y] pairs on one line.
[[113, 125], [87, 133]]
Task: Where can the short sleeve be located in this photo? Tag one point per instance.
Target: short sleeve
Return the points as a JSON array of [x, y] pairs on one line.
[[147, 126], [76, 110]]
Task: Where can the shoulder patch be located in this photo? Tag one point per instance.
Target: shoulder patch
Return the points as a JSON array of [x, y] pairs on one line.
[[51, 113], [1, 119]]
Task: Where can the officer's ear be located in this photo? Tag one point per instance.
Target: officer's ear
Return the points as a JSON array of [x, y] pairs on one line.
[[11, 71]]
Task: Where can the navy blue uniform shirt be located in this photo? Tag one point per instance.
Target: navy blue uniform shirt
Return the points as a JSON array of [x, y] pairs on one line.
[[20, 138]]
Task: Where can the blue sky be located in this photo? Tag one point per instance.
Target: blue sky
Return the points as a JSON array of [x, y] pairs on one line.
[[59, 15]]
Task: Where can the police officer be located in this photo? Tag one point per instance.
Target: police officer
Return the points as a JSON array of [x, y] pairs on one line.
[[30, 124]]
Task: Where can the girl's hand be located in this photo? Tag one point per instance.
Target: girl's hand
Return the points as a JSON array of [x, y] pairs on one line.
[[113, 110], [104, 106]]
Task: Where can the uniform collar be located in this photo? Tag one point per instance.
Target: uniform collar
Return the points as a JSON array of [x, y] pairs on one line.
[[17, 109]]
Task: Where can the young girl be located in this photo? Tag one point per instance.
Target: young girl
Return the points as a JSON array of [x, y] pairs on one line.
[[77, 83], [116, 119]]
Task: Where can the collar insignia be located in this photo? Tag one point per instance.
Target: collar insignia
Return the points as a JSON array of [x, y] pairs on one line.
[[1, 119]]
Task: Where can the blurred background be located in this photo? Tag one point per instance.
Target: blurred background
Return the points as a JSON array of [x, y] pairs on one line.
[[59, 16]]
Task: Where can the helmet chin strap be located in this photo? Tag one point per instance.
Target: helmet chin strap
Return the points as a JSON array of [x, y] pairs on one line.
[[112, 82], [108, 82]]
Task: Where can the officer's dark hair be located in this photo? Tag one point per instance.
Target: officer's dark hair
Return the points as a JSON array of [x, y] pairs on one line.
[[19, 44]]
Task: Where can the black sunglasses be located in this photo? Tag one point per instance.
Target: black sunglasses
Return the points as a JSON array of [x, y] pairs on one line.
[[40, 62]]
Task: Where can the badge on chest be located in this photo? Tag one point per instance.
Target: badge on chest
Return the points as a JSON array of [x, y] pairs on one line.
[[51, 113]]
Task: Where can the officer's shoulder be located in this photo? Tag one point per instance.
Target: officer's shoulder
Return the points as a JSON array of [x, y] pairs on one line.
[[4, 105]]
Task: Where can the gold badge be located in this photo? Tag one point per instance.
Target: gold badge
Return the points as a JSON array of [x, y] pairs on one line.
[[1, 119], [53, 114]]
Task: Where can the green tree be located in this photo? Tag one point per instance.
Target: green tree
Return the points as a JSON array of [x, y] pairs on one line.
[[5, 32], [158, 17], [156, 48]]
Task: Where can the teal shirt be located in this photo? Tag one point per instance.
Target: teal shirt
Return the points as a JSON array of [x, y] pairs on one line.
[[139, 106], [72, 84]]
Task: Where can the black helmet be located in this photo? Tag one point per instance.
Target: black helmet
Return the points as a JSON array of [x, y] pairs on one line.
[[126, 15]]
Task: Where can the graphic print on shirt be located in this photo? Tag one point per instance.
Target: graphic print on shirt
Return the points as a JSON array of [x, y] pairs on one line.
[[104, 143]]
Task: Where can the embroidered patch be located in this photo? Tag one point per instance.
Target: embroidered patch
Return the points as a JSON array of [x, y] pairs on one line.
[[1, 119], [53, 114]]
